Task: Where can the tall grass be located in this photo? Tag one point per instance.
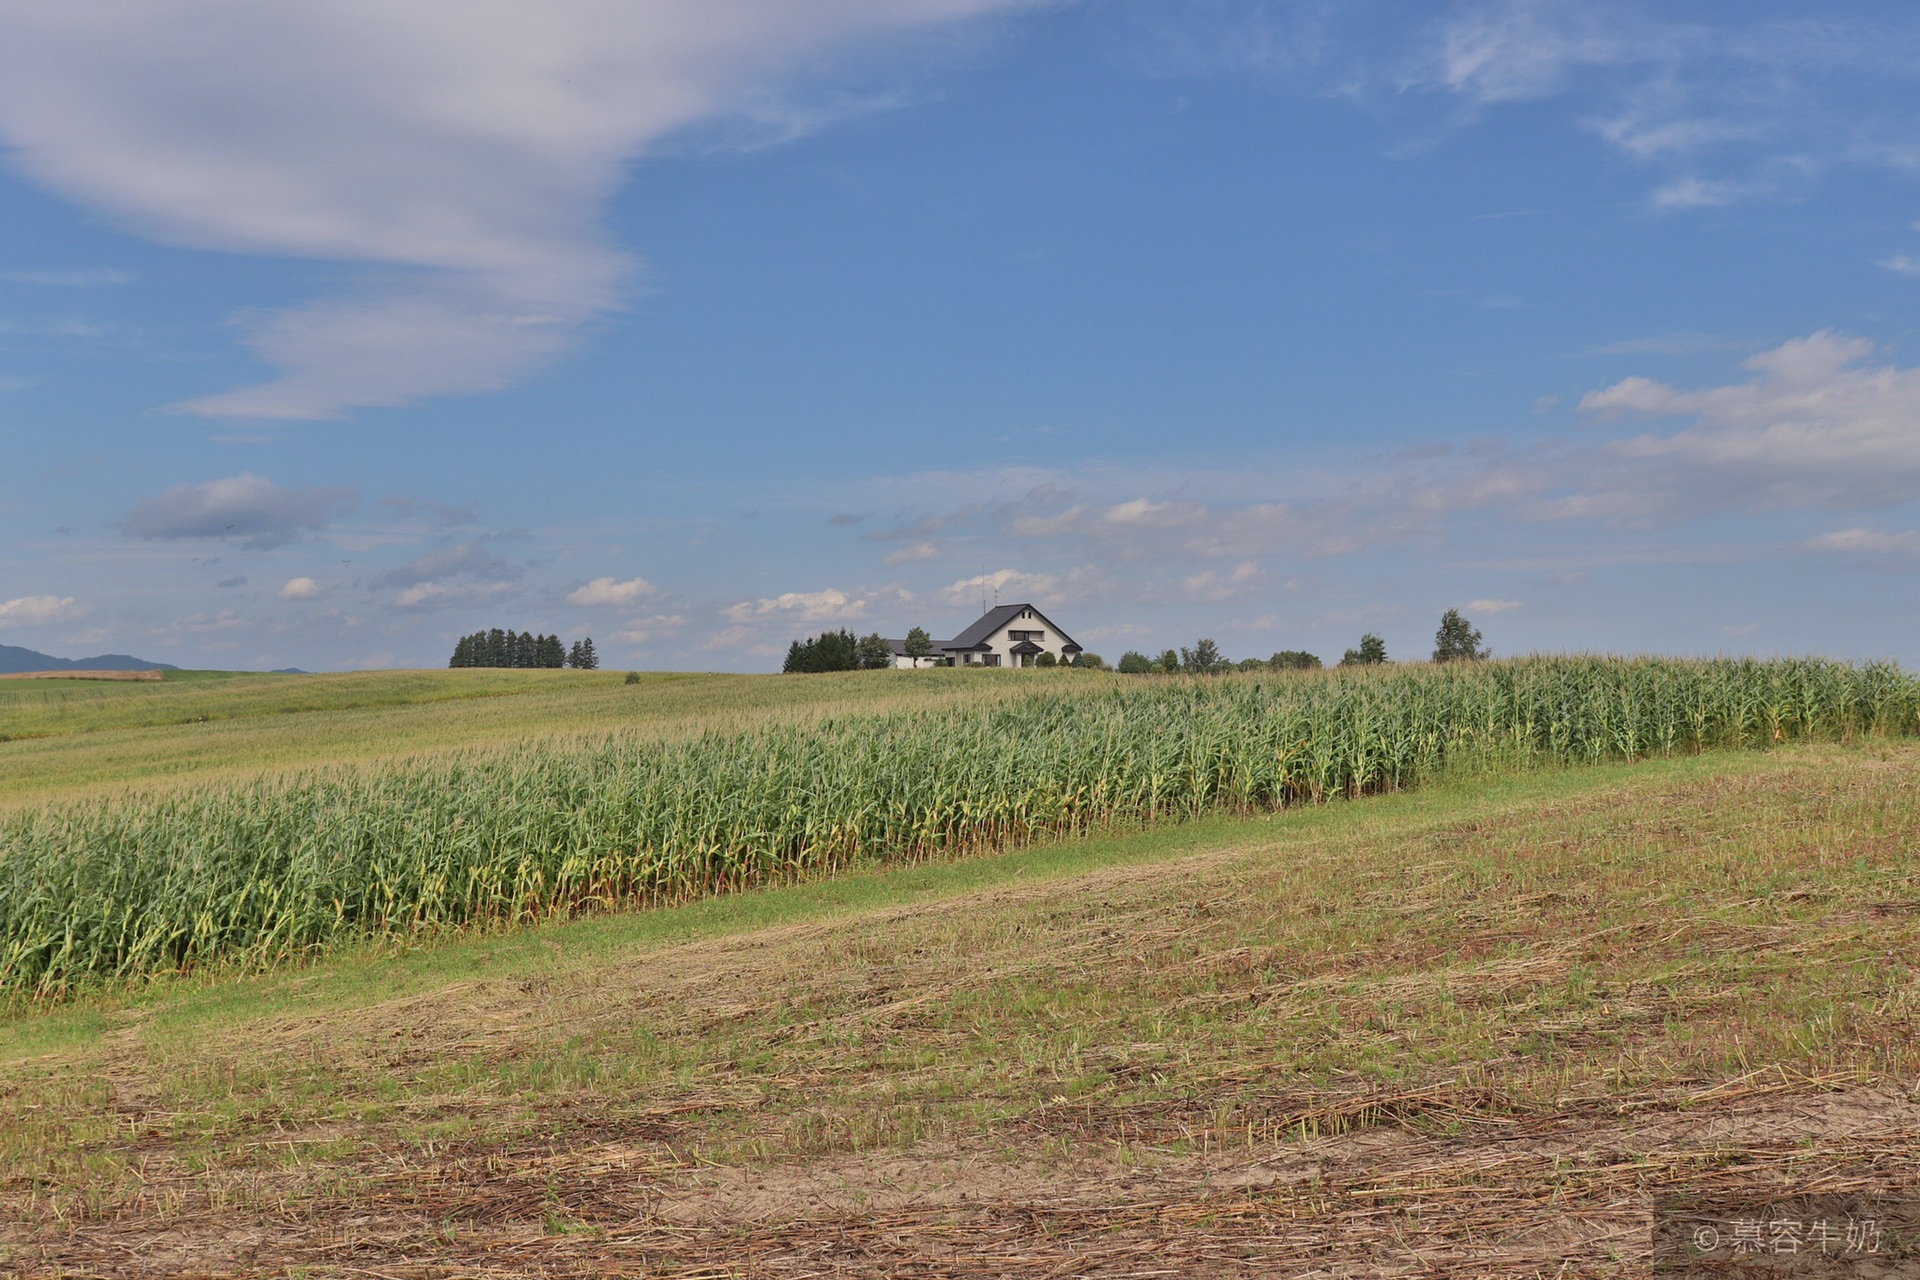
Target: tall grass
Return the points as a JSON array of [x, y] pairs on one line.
[[253, 874]]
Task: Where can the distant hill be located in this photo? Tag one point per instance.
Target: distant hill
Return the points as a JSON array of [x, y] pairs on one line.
[[14, 658]]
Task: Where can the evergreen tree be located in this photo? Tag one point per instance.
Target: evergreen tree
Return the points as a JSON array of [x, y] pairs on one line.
[[553, 654], [573, 655], [1457, 640], [589, 660], [875, 653], [496, 647], [1168, 661], [828, 651], [461, 655], [1372, 652]]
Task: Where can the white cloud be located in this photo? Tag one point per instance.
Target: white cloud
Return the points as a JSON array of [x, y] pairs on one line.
[[38, 611], [1905, 264], [451, 593], [1154, 515], [1867, 542], [1493, 606], [830, 605], [465, 147], [300, 589], [917, 552], [1005, 585], [605, 591], [246, 508], [1815, 426]]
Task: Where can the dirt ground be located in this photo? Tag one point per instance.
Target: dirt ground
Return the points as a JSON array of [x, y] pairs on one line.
[[1560, 1195]]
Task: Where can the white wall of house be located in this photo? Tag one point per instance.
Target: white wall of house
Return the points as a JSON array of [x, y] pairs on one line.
[[903, 663]]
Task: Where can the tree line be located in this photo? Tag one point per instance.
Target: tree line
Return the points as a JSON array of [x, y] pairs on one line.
[[522, 649], [1457, 640], [842, 651]]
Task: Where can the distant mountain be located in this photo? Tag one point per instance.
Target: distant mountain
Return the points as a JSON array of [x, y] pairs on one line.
[[13, 658]]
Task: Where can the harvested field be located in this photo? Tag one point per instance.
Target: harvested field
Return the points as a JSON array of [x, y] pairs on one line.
[[1473, 1030]]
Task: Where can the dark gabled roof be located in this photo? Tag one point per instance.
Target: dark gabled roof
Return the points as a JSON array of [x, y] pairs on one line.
[[1027, 646], [899, 648], [992, 620]]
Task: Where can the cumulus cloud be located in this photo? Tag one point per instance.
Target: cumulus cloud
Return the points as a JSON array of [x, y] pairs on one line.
[[301, 589], [38, 611], [462, 149], [1816, 426], [830, 605], [248, 509], [605, 591]]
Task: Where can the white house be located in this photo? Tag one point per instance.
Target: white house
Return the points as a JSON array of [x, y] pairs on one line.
[[1008, 635]]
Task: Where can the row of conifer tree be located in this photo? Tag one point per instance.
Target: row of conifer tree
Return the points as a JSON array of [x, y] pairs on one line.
[[497, 648]]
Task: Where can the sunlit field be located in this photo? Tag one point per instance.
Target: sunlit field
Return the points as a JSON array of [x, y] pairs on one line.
[[281, 867]]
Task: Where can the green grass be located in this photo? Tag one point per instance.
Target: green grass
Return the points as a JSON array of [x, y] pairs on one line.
[[283, 868], [71, 738], [1615, 940]]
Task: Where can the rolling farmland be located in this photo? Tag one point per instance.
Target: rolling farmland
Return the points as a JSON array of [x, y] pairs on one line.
[[961, 975], [285, 866]]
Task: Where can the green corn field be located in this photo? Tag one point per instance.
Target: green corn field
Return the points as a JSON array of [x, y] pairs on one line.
[[259, 873]]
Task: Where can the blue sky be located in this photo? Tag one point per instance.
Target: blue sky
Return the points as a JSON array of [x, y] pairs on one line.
[[331, 333]]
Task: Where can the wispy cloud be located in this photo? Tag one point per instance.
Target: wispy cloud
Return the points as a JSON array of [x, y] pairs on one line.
[[1746, 107], [461, 574], [464, 148], [1867, 542], [79, 278]]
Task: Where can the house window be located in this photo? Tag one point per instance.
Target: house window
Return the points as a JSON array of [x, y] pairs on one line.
[[989, 659], [1018, 636]]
